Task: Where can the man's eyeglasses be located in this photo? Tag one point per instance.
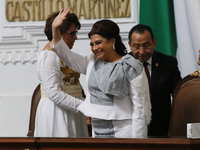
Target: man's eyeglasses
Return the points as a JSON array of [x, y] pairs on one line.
[[144, 47], [73, 33]]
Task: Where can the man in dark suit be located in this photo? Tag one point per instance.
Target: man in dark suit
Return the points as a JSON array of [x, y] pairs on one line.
[[164, 75]]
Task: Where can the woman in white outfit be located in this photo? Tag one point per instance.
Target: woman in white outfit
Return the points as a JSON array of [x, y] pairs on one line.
[[61, 93], [118, 95]]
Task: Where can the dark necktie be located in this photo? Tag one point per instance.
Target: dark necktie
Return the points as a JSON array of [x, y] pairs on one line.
[[145, 64]]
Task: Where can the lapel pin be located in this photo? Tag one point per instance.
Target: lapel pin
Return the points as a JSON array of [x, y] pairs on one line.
[[157, 65]]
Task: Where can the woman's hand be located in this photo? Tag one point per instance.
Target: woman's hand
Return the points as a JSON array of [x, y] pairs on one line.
[[60, 18], [58, 21]]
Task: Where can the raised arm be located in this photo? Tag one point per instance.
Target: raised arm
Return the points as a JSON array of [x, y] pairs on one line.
[[58, 21], [78, 62]]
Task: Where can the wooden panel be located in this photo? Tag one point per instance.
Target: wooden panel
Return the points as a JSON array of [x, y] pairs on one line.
[[98, 144], [117, 144], [17, 144]]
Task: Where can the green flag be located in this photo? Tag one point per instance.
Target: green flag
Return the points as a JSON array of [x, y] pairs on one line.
[[159, 15]]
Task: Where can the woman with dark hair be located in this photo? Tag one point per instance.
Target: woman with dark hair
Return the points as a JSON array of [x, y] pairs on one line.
[[109, 30], [118, 95], [61, 92]]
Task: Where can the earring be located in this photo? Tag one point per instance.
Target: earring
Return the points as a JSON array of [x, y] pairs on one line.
[[113, 46]]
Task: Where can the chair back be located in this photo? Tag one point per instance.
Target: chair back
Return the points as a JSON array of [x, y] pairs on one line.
[[185, 106], [34, 103]]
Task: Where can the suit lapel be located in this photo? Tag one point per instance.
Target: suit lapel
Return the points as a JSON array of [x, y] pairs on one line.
[[155, 72]]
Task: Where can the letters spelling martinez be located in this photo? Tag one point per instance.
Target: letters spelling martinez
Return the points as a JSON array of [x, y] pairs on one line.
[[38, 10]]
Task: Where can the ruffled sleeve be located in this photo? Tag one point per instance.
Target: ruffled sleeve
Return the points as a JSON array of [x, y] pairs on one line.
[[127, 76], [113, 79]]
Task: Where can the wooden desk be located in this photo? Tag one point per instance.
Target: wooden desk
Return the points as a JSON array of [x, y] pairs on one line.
[[17, 144], [98, 144]]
